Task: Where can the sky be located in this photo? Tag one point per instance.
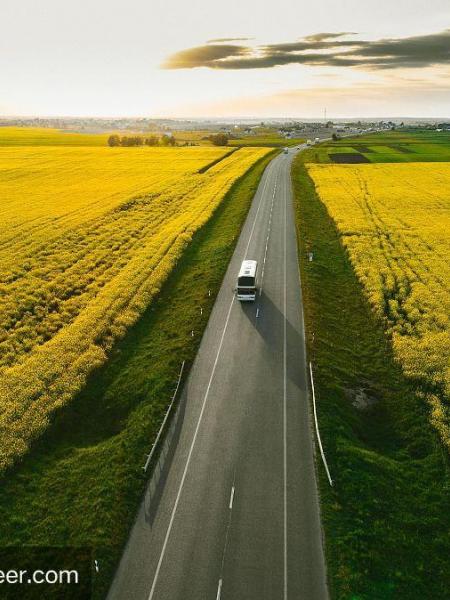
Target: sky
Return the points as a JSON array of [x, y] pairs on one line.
[[239, 58]]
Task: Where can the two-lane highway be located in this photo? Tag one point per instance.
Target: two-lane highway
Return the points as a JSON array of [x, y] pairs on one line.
[[238, 516]]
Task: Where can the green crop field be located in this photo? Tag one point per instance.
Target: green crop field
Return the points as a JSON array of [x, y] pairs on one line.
[[390, 146]]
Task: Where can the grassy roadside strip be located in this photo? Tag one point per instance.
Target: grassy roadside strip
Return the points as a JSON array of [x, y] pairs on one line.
[[82, 483], [386, 519], [272, 141]]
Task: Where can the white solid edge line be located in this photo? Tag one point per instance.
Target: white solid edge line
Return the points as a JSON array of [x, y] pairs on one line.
[[180, 489], [231, 498], [219, 590], [319, 441], [284, 402]]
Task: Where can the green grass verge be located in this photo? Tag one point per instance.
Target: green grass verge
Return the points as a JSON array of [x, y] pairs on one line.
[[386, 520], [82, 484], [269, 141]]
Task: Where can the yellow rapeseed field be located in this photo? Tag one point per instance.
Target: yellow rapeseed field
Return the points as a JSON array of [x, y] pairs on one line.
[[87, 237], [394, 220], [39, 136]]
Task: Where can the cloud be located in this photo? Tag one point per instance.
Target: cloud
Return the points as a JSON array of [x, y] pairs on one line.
[[205, 56], [229, 39], [318, 37], [322, 50]]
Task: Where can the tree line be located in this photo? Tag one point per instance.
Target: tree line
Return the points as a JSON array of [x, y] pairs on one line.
[[139, 140], [218, 139]]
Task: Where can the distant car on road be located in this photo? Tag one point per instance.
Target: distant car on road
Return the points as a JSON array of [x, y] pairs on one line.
[[246, 283], [286, 150]]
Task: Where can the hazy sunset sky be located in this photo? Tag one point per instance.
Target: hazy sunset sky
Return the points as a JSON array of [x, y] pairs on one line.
[[156, 58]]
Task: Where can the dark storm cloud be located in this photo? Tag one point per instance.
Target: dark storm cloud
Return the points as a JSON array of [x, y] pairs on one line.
[[321, 49]]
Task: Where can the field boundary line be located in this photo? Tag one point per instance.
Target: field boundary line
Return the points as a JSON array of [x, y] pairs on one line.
[[319, 441], [216, 161]]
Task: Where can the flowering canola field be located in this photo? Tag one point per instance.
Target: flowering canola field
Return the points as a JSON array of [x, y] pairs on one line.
[[394, 220], [40, 136], [87, 237]]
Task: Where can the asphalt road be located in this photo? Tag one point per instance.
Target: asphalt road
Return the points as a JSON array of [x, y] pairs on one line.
[[234, 514]]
